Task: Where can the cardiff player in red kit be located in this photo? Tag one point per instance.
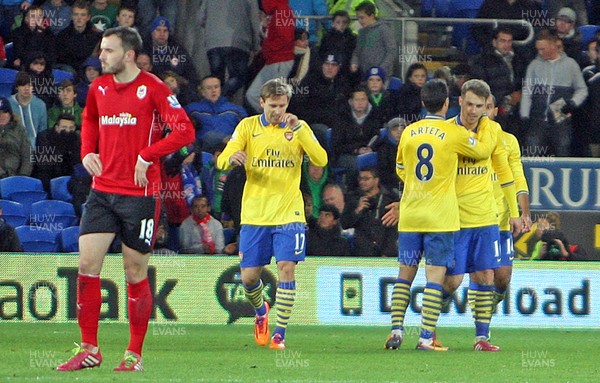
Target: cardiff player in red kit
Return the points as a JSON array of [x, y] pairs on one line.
[[121, 145]]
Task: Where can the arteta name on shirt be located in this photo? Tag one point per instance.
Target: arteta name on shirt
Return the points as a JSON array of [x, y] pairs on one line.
[[120, 120]]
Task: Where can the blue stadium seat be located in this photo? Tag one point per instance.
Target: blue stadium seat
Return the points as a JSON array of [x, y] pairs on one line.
[[436, 8], [206, 158], [22, 189], [328, 134], [395, 84], [13, 213], [349, 235], [229, 234], [60, 75], [10, 52], [69, 239], [53, 215], [59, 189], [461, 33], [587, 34], [7, 81], [366, 160], [38, 239]]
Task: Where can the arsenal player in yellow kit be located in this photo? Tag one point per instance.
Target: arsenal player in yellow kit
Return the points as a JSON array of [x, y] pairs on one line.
[[271, 147]]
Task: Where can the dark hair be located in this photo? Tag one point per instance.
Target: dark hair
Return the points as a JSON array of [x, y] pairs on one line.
[[357, 89], [330, 209], [200, 196], [129, 8], [67, 83], [65, 116], [505, 30], [206, 78], [31, 9], [81, 4], [130, 38], [434, 94], [23, 78], [367, 7], [340, 14], [411, 69], [371, 169]]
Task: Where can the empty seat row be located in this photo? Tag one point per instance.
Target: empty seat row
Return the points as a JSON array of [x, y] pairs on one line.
[[51, 214], [36, 239]]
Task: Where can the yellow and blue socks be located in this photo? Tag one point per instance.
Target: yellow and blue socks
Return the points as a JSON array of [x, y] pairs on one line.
[[255, 296], [499, 295], [284, 302], [400, 299], [430, 312], [483, 307]]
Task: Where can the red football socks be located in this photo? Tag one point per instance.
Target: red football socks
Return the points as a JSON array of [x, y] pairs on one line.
[[139, 308], [89, 301]]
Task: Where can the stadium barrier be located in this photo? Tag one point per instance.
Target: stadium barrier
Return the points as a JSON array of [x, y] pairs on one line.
[[331, 291]]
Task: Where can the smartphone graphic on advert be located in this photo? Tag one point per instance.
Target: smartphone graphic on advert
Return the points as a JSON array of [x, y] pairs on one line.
[[352, 293]]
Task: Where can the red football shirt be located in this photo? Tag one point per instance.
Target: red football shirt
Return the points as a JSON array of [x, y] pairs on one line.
[[122, 121]]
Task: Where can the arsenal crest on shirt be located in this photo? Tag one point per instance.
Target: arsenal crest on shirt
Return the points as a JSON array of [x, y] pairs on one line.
[[289, 135], [141, 91]]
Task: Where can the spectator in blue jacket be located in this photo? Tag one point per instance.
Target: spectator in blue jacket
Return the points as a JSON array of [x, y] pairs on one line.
[[303, 8], [215, 117], [29, 109]]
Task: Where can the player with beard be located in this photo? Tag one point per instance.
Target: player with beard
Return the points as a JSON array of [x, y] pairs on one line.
[[121, 147]]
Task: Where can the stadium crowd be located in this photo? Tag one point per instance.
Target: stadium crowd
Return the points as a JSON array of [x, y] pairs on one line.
[[344, 86]]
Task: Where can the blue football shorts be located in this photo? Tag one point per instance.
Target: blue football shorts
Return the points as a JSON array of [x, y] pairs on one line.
[[258, 244], [507, 250], [476, 249], [437, 248]]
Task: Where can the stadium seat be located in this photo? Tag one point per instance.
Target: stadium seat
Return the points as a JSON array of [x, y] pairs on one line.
[[206, 158], [60, 75], [22, 189], [38, 239], [53, 215], [366, 160], [7, 81], [13, 213], [328, 134], [229, 234], [69, 239], [59, 189], [587, 34], [10, 52], [349, 235], [395, 84], [435, 8]]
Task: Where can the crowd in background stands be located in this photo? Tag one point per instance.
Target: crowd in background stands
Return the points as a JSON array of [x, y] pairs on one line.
[[344, 86]]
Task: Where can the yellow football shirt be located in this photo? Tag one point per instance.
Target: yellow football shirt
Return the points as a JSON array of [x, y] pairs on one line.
[[513, 152], [477, 205], [426, 161], [273, 169]]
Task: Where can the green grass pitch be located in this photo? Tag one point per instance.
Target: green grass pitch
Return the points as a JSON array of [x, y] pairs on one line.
[[203, 353]]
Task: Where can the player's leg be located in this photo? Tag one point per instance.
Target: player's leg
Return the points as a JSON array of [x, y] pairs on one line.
[[503, 274], [486, 250], [255, 252], [439, 253], [289, 247], [139, 221], [285, 298], [410, 249], [97, 232]]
